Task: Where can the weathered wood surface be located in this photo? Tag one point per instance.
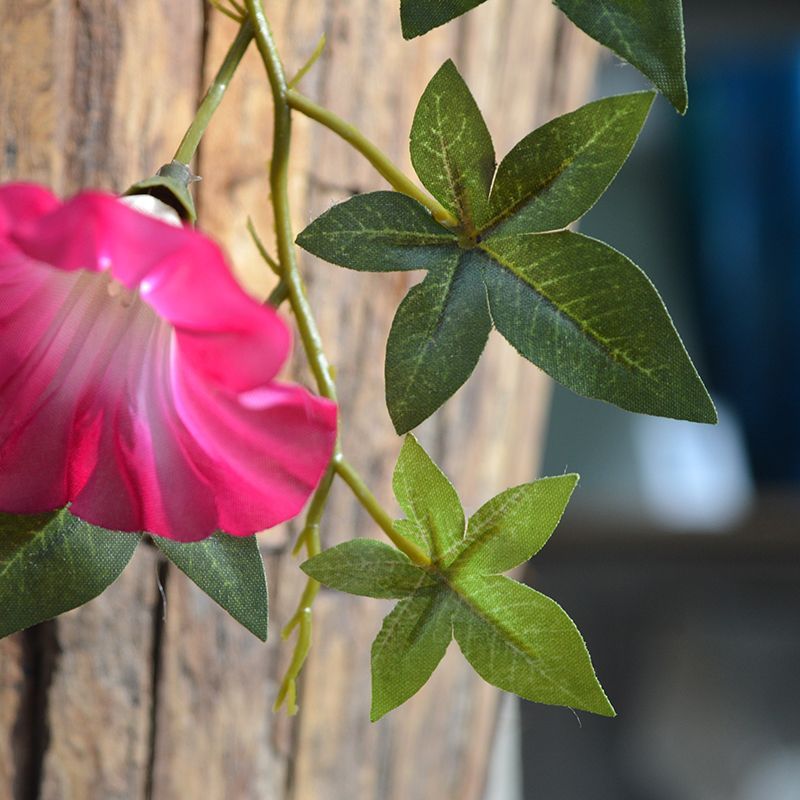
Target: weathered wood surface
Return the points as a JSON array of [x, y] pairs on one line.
[[113, 701]]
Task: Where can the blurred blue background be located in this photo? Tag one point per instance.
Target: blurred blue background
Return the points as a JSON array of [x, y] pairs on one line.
[[679, 558]]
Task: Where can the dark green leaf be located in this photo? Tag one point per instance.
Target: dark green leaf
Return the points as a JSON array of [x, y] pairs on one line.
[[575, 307], [230, 570], [52, 563], [523, 642], [512, 527], [592, 320], [451, 148], [437, 337], [410, 645], [649, 35], [558, 172], [428, 499], [368, 568], [379, 232], [421, 16]]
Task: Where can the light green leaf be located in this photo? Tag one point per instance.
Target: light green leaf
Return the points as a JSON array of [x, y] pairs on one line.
[[408, 648], [379, 232], [592, 320], [367, 568], [521, 641], [558, 172], [436, 339], [420, 16], [648, 35], [514, 637], [451, 148], [512, 527], [52, 563], [230, 570], [428, 499]]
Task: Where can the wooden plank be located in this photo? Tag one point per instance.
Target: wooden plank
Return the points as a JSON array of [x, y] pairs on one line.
[[97, 713], [12, 708], [93, 93], [215, 732]]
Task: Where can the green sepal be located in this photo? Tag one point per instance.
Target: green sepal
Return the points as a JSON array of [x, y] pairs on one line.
[[52, 563], [170, 185], [230, 570]]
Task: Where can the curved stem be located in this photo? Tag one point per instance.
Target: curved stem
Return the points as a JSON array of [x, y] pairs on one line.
[[191, 139], [279, 184], [393, 174], [312, 344]]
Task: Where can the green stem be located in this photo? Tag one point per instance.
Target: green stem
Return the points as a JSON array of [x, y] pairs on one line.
[[279, 184], [312, 344], [191, 139], [393, 174], [301, 619], [349, 475]]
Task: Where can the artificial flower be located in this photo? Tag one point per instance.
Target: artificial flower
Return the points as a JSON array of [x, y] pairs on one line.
[[137, 379]]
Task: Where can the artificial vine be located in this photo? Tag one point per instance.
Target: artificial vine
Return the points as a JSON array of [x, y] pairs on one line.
[[499, 253]]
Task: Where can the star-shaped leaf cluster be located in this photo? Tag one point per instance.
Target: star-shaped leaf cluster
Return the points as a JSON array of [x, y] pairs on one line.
[[513, 636], [574, 306], [648, 35]]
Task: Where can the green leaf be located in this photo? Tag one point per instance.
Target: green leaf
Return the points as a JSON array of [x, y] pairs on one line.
[[437, 336], [514, 637], [379, 232], [428, 499], [592, 320], [420, 16], [523, 642], [411, 643], [648, 35], [53, 563], [451, 148], [512, 527], [558, 172], [230, 570], [367, 568], [573, 306]]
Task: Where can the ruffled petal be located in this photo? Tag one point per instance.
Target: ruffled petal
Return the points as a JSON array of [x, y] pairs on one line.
[[265, 450], [21, 203], [139, 421], [180, 273]]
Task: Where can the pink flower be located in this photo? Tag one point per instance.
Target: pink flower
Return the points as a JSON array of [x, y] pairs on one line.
[[137, 377]]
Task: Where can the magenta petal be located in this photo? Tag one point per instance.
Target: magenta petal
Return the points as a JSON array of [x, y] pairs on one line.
[[181, 274], [22, 203], [267, 448], [150, 407]]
